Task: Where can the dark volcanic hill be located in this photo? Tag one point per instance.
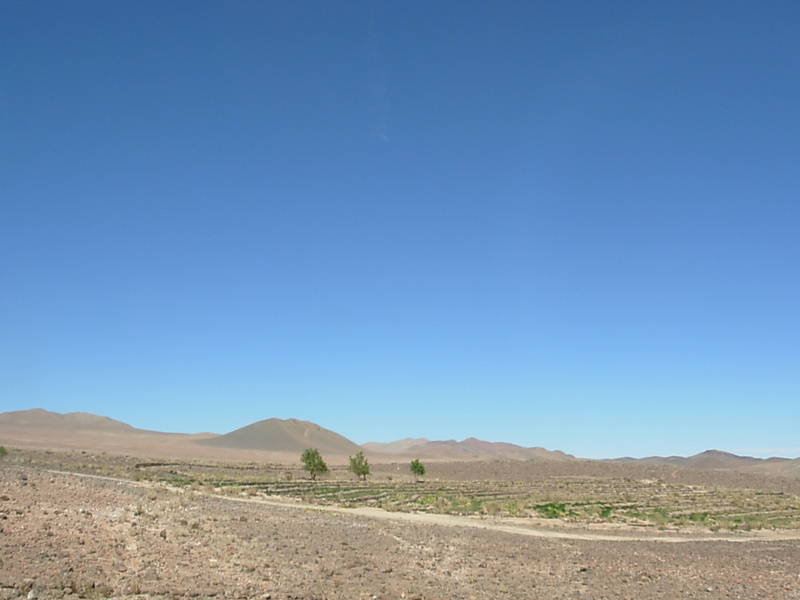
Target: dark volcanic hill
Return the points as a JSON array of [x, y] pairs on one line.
[[278, 435]]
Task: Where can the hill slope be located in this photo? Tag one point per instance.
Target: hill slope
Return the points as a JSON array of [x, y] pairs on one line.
[[717, 459], [778, 466], [290, 435], [398, 447], [38, 418], [38, 428], [469, 449]]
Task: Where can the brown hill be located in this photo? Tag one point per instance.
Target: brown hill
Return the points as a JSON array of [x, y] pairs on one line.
[[278, 435], [469, 449], [778, 466], [38, 428], [398, 447], [38, 418], [719, 460]]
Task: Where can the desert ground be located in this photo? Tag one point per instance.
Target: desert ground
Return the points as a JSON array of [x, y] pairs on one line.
[[110, 525]]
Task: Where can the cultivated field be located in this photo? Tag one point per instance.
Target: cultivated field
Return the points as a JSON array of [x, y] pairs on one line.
[[662, 498], [98, 525]]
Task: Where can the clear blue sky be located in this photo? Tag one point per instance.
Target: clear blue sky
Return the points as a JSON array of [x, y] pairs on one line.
[[564, 224]]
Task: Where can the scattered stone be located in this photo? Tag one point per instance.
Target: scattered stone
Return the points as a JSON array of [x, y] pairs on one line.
[[310, 554]]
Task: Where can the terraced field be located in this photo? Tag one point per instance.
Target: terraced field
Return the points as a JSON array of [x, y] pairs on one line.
[[106, 526], [608, 497], [633, 502]]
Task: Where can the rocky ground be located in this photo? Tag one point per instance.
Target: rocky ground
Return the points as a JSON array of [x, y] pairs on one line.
[[64, 534]]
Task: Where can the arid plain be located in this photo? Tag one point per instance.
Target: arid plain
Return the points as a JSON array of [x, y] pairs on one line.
[[127, 518]]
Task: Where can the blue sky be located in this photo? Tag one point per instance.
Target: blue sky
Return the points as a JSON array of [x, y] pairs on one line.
[[564, 224]]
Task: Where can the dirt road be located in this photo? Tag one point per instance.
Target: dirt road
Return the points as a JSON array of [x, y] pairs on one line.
[[66, 535]]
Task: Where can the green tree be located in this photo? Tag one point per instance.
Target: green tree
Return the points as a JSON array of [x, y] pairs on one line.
[[359, 466], [417, 468], [3, 451], [313, 463]]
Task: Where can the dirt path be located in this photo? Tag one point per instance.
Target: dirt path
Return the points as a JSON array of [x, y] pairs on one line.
[[66, 535], [523, 526], [519, 526]]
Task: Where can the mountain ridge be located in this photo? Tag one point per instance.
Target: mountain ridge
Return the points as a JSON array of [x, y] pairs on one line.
[[469, 448], [45, 419], [284, 438]]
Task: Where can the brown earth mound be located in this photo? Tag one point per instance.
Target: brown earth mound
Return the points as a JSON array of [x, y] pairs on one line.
[[278, 435]]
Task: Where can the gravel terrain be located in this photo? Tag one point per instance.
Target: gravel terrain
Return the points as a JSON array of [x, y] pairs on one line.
[[63, 534]]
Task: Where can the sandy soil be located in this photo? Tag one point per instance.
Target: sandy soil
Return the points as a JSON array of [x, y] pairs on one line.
[[63, 535]]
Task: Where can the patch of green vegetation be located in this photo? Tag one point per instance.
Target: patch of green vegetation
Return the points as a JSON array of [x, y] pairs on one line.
[[698, 517], [512, 507], [657, 515], [356, 494], [640, 502], [475, 505], [552, 510]]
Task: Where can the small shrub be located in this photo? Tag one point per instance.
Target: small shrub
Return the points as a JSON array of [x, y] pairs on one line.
[[698, 517], [512, 508]]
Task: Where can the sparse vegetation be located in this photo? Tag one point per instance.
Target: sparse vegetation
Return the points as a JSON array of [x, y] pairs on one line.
[[198, 539], [359, 466], [417, 468], [639, 503], [313, 462], [656, 503], [3, 451]]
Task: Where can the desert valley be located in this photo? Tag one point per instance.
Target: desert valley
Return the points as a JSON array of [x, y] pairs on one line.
[[93, 508]]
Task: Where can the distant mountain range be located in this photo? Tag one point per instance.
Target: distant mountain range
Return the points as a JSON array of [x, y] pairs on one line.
[[44, 429], [471, 448], [717, 459]]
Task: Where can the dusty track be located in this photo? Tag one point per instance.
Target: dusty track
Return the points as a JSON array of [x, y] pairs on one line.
[[63, 534], [505, 525]]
